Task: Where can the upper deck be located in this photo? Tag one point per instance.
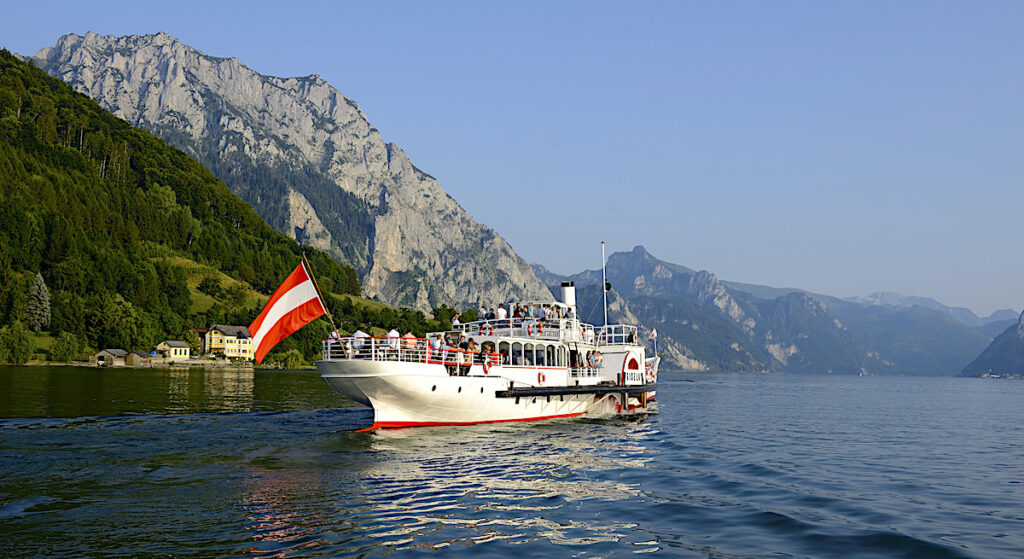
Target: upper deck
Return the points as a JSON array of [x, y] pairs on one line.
[[558, 330]]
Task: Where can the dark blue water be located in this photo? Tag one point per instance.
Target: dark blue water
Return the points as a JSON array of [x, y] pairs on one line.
[[157, 463]]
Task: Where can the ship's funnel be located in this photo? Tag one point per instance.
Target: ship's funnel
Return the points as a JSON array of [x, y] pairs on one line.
[[569, 293]]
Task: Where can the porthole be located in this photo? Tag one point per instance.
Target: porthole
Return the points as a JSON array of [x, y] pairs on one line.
[[534, 400], [481, 390], [460, 390], [433, 388]]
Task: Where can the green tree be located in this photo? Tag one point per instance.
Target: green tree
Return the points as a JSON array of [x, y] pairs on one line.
[[236, 296], [192, 339], [292, 359], [444, 314], [16, 344], [65, 348], [211, 287], [119, 323], [37, 308]]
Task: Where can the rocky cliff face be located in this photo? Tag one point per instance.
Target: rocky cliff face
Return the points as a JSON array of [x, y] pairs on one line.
[[309, 162]]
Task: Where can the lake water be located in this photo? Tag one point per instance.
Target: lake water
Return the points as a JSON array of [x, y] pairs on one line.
[[156, 463]]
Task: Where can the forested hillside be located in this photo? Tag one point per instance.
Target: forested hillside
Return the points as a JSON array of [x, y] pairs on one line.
[[123, 228]]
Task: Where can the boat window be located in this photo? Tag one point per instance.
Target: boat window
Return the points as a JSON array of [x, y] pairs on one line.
[[504, 350], [551, 357], [540, 355], [517, 353], [528, 354]]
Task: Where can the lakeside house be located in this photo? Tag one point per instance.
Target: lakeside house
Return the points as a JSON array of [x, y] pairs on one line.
[[109, 358], [230, 341], [173, 350], [139, 359]]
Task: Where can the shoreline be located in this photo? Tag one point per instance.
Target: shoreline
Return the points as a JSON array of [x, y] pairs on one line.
[[204, 365]]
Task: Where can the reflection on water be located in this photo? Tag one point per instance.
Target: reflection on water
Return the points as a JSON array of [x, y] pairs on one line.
[[217, 390], [437, 488], [76, 392]]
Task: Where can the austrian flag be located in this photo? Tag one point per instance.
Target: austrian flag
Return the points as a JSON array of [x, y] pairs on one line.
[[295, 304]]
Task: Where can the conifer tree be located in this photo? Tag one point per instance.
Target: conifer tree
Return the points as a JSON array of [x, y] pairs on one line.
[[37, 309]]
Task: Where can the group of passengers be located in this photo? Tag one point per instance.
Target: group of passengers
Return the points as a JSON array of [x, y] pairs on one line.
[[595, 360], [457, 357], [519, 313]]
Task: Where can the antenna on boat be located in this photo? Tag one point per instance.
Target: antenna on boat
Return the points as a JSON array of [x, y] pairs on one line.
[[604, 285]]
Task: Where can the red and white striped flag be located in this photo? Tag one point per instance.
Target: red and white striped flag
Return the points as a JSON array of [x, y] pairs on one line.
[[295, 304]]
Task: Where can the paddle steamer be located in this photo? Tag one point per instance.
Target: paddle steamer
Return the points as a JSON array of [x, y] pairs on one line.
[[528, 369]]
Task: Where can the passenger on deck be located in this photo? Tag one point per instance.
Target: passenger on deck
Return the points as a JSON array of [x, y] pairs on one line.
[[409, 340], [491, 315], [393, 336], [542, 311], [446, 355], [501, 314], [359, 340], [481, 312], [472, 356], [518, 312], [598, 360]]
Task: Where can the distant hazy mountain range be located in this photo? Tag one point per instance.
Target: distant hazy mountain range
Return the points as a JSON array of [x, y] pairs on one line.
[[307, 159], [1005, 355], [708, 324]]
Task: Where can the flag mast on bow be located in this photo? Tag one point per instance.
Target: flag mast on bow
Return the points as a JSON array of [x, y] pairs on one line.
[[294, 304]]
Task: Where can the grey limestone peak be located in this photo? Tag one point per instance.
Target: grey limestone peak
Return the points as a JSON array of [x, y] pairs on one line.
[[420, 248]]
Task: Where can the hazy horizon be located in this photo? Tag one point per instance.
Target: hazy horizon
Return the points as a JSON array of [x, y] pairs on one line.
[[842, 149]]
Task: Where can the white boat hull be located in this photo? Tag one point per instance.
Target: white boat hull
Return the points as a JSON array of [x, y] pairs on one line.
[[410, 394]]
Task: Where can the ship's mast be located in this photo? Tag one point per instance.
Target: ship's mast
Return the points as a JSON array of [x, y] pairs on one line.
[[604, 285]]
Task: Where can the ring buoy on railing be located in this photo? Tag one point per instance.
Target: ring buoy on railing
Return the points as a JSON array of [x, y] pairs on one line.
[[487, 365], [530, 331], [540, 378], [489, 328]]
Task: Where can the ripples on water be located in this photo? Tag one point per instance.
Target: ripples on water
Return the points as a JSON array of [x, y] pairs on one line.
[[237, 464]]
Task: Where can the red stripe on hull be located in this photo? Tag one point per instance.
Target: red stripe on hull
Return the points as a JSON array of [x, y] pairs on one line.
[[407, 424]]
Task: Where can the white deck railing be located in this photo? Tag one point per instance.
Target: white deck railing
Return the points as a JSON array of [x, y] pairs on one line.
[[409, 350], [561, 330]]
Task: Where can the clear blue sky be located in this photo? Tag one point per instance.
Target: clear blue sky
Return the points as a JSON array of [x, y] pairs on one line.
[[843, 148]]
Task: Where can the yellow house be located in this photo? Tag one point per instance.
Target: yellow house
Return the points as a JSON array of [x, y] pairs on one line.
[[174, 350], [231, 341]]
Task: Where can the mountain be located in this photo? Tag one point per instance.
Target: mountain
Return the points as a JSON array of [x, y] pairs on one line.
[[914, 340], [715, 328], [1000, 315], [745, 327], [1004, 356], [308, 160], [962, 314], [122, 227]]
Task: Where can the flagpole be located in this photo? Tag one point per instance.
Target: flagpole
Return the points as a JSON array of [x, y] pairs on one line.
[[319, 293], [604, 285]]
